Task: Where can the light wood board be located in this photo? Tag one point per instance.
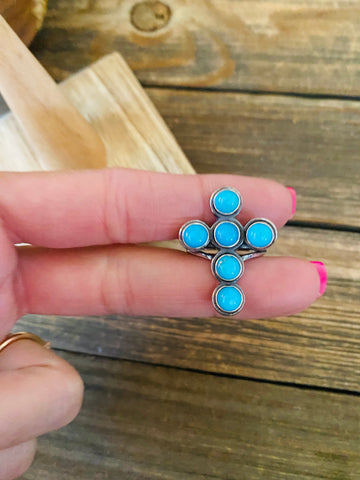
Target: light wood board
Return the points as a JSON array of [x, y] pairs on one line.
[[108, 95]]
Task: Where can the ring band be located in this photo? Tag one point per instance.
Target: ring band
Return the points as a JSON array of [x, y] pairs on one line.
[[14, 337]]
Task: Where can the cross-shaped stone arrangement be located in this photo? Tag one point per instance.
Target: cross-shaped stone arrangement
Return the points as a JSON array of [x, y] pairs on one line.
[[227, 243]]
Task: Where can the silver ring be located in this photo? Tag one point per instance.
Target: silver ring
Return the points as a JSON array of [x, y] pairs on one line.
[[227, 244]]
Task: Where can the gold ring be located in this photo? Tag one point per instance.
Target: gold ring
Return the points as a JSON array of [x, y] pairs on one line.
[[14, 337]]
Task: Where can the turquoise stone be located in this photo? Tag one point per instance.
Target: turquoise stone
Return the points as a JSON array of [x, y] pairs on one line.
[[227, 234], [228, 267], [260, 235], [229, 298], [195, 235], [226, 202]]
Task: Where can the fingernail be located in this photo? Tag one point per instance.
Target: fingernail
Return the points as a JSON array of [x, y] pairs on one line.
[[321, 269], [293, 198]]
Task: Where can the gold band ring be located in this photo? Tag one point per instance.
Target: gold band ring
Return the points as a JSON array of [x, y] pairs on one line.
[[14, 337]]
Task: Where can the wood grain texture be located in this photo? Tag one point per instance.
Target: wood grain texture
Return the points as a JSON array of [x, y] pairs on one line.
[[301, 46], [141, 422], [108, 95], [319, 347]]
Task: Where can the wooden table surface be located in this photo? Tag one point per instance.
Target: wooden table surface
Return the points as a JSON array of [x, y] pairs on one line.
[[264, 88]]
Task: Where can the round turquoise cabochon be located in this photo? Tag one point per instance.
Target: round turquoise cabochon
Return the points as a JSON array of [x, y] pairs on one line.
[[227, 234], [195, 235], [260, 234], [228, 299], [228, 267], [226, 201]]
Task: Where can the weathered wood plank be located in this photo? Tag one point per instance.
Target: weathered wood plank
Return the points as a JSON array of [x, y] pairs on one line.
[[141, 422], [312, 145], [320, 346], [302, 46]]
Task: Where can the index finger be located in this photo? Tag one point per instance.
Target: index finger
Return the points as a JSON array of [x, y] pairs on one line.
[[98, 207]]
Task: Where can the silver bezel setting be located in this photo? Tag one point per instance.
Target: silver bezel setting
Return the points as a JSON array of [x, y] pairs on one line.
[[215, 260], [264, 221], [181, 237], [234, 222], [218, 308], [225, 215], [211, 250]]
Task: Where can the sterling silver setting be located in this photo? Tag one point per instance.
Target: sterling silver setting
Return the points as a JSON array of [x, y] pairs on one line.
[[227, 244]]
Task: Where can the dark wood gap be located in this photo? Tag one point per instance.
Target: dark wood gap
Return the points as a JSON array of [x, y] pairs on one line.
[[216, 89], [216, 374], [323, 226]]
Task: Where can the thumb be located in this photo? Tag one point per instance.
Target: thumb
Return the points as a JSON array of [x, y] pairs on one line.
[[40, 392]]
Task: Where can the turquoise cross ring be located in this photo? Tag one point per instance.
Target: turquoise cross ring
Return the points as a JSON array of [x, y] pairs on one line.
[[227, 244]]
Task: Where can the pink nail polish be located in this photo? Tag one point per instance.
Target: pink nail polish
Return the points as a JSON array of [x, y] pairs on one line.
[[293, 198], [321, 269]]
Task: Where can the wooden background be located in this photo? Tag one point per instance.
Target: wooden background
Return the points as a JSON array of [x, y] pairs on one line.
[[264, 88]]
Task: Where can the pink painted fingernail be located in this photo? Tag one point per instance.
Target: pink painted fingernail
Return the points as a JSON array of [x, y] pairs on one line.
[[321, 269], [293, 198]]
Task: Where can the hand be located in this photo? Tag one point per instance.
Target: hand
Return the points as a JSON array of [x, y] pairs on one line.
[[79, 224]]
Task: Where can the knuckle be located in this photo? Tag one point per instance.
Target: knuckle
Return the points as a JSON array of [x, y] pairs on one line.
[[129, 290], [116, 218], [118, 282], [125, 218]]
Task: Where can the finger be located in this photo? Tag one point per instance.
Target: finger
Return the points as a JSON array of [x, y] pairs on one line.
[[79, 208], [10, 309], [14, 461], [155, 281], [40, 392]]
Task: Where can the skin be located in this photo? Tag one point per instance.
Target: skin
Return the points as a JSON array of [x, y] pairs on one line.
[[80, 225]]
